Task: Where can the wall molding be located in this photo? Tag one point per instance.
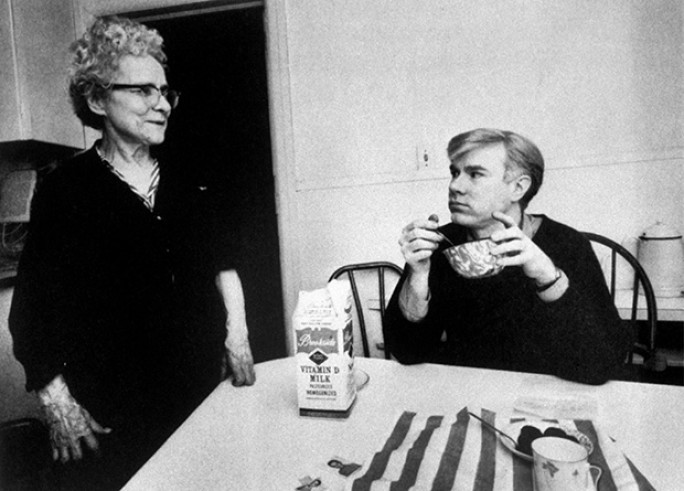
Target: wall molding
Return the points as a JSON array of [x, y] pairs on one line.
[[599, 160]]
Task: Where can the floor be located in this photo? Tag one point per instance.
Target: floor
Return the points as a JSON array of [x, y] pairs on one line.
[[671, 376], [670, 343]]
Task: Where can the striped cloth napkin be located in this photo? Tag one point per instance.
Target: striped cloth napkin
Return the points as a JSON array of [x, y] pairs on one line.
[[458, 453]]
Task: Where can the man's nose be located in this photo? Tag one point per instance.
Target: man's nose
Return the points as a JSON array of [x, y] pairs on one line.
[[458, 184]]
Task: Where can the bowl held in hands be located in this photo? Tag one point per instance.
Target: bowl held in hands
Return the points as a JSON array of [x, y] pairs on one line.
[[473, 259]]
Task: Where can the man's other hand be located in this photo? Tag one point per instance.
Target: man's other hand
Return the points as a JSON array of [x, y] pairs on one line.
[[514, 248]]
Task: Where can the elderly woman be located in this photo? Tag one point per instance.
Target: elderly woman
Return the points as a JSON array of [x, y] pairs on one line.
[[128, 307]]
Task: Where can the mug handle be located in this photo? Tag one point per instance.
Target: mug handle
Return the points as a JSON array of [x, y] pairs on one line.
[[599, 472]]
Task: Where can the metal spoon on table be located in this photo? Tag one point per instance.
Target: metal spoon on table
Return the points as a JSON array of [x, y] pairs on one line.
[[435, 218], [492, 427]]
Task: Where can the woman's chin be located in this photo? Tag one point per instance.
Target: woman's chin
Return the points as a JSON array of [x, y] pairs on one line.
[[153, 140]]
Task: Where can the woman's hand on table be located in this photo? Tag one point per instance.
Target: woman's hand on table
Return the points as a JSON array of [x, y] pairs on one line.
[[239, 359], [238, 356]]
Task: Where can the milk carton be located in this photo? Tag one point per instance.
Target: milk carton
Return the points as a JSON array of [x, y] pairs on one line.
[[322, 325]]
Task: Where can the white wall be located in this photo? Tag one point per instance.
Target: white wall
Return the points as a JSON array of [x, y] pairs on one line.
[[596, 85]]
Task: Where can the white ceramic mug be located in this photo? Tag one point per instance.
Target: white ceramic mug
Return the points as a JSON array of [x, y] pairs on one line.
[[562, 465]]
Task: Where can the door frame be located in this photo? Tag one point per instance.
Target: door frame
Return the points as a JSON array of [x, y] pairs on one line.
[[283, 156]]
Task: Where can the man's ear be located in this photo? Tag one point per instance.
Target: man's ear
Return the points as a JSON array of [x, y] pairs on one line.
[[520, 186], [96, 106]]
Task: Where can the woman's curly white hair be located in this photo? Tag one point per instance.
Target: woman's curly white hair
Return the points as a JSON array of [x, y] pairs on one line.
[[96, 58]]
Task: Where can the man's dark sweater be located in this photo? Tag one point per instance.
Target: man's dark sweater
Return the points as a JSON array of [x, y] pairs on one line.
[[500, 322]]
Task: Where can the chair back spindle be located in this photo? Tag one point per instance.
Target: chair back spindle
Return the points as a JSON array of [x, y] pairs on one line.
[[381, 273], [641, 285]]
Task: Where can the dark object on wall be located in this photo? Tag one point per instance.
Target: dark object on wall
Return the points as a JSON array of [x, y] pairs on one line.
[[22, 164], [16, 192]]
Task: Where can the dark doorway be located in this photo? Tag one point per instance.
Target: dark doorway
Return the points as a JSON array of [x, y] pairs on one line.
[[220, 130]]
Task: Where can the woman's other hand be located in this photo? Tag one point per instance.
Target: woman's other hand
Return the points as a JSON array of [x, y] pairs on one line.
[[240, 360], [68, 422], [238, 352]]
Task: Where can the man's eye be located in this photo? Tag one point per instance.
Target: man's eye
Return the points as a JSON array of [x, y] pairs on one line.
[[147, 91]]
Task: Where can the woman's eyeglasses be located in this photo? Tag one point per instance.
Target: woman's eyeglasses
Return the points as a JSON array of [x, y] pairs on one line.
[[150, 93]]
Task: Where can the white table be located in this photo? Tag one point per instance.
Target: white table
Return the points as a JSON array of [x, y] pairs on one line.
[[253, 438]]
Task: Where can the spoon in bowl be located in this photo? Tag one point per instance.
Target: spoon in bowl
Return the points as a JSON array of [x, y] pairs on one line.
[[435, 218], [445, 238], [492, 427]]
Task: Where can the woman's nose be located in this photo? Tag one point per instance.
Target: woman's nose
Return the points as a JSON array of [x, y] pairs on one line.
[[163, 104]]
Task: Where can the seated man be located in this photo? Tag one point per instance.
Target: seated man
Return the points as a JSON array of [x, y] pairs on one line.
[[547, 311]]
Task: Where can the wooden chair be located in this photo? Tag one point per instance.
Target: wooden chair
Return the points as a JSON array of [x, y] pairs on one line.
[[646, 346], [25, 456], [372, 285]]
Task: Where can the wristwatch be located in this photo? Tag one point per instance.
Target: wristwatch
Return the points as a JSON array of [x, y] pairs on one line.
[[548, 285]]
